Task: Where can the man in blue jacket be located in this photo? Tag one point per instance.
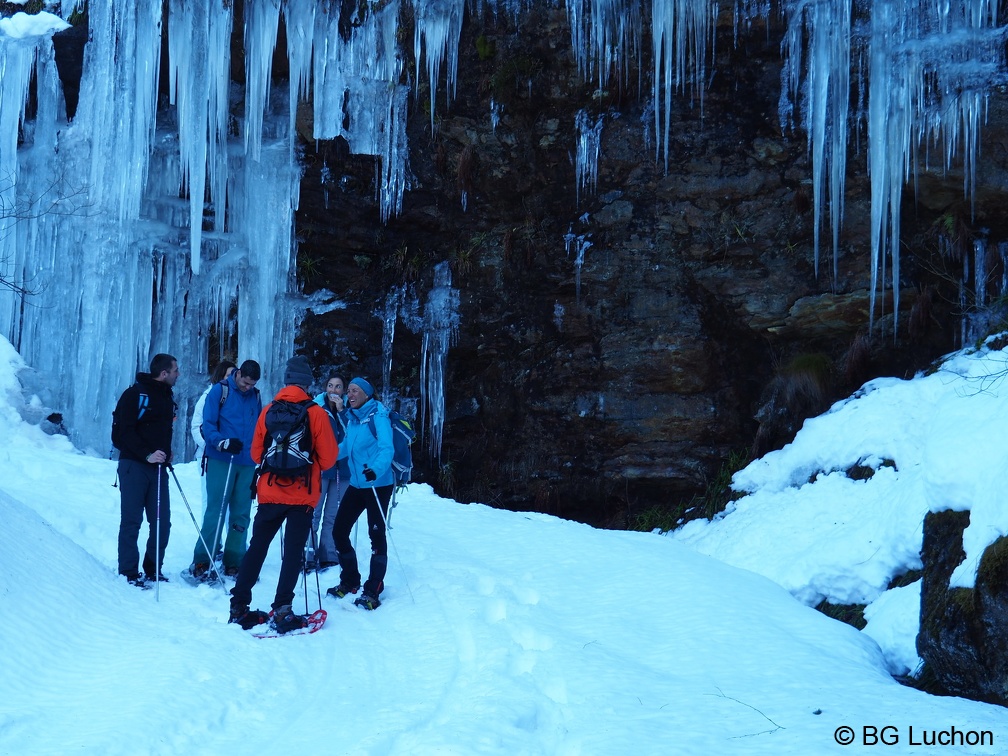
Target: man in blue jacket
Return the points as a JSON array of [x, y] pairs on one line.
[[368, 451], [229, 418]]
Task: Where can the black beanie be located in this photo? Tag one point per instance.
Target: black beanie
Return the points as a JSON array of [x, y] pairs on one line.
[[298, 372]]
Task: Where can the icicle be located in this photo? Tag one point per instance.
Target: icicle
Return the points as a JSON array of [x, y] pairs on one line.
[[441, 322], [495, 113], [605, 34], [261, 23], [357, 94], [389, 315], [17, 57], [199, 49], [924, 76], [682, 41], [589, 144], [437, 26], [980, 272], [579, 244], [1003, 255], [299, 20]]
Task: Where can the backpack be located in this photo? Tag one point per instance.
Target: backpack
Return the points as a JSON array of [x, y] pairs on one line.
[[287, 446], [143, 401], [402, 456]]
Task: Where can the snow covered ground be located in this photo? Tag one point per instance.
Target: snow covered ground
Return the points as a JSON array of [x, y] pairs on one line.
[[507, 633]]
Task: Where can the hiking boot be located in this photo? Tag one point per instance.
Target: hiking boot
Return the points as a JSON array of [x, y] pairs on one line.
[[138, 581], [159, 579], [367, 601], [202, 573], [285, 620], [341, 590], [230, 572], [247, 619]]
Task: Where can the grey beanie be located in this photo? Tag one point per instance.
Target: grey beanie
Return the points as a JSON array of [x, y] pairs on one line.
[[298, 372]]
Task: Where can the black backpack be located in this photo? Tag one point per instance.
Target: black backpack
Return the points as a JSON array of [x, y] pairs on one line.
[[118, 441], [287, 446]]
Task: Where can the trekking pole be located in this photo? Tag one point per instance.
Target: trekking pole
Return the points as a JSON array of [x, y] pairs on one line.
[[304, 576], [391, 506], [195, 525], [304, 584], [220, 518], [157, 541], [318, 585], [394, 549]]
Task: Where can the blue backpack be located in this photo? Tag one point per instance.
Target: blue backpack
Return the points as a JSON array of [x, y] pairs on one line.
[[403, 436]]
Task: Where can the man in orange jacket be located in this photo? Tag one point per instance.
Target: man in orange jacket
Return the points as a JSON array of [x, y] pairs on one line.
[[281, 498]]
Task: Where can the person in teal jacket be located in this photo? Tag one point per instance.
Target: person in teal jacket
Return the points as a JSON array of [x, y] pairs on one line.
[[229, 422], [368, 450]]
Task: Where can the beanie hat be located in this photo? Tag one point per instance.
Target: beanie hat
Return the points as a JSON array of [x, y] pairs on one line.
[[298, 372], [364, 386]]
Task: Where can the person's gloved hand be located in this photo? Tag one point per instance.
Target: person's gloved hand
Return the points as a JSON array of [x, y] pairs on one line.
[[369, 475], [230, 446]]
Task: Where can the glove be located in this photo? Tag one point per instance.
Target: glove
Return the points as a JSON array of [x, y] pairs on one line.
[[230, 446], [369, 475]]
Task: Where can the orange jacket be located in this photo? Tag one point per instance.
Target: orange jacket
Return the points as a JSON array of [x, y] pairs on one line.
[[324, 450]]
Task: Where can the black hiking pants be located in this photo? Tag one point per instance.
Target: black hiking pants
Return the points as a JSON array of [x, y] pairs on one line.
[[138, 489], [355, 501], [267, 522]]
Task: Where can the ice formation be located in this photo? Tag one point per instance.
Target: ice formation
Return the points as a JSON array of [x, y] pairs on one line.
[[122, 236]]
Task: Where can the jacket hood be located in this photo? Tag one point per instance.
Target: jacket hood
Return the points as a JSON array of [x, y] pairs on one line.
[[291, 394]]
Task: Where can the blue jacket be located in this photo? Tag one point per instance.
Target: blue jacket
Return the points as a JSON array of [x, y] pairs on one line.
[[342, 466], [236, 419], [362, 447]]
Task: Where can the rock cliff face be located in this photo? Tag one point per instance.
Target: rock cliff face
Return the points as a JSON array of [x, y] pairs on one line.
[[595, 393], [964, 632]]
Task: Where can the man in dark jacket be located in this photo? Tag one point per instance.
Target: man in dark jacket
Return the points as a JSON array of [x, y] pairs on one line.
[[284, 500], [229, 418], [142, 431]]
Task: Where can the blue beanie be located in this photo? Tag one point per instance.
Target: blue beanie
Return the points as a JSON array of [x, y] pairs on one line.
[[364, 386]]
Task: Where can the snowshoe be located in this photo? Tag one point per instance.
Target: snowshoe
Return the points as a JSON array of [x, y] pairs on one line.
[[312, 624], [248, 618]]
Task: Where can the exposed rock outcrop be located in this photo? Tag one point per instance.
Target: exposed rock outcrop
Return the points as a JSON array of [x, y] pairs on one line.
[[964, 632]]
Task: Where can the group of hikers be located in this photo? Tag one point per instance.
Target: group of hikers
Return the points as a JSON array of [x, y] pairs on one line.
[[314, 464]]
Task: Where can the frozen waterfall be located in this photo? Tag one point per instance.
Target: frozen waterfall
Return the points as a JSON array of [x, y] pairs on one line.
[[129, 230]]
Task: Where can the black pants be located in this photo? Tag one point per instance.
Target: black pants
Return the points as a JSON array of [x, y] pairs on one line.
[[355, 501], [267, 522], [139, 488]]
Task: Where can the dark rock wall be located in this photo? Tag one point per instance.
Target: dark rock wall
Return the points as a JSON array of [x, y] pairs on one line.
[[964, 632], [698, 286]]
